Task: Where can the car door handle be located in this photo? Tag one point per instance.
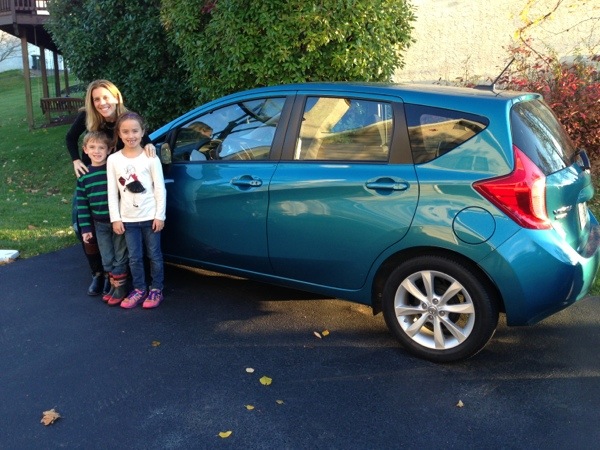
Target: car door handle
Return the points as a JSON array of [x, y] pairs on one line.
[[246, 181], [387, 184]]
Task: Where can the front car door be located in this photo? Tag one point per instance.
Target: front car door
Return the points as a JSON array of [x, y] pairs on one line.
[[217, 185]]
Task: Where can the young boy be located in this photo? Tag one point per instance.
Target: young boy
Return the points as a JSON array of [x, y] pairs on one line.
[[94, 218]]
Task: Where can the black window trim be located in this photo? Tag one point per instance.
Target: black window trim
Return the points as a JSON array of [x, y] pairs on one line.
[[399, 148]]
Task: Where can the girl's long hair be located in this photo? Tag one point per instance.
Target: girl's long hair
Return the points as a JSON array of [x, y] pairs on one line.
[[93, 119]]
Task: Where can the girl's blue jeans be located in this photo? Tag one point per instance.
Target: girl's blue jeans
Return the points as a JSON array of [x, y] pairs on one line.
[[139, 237]]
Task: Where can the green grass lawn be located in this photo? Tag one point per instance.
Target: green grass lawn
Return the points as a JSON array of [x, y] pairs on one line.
[[37, 180]]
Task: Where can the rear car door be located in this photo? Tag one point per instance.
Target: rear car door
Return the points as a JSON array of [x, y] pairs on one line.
[[344, 191]]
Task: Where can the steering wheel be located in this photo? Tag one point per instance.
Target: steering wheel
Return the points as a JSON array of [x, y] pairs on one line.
[[210, 149]]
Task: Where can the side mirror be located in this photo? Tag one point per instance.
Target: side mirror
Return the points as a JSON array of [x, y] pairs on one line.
[[166, 156]]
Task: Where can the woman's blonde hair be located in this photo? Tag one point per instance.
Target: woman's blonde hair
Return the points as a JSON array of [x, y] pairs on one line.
[[93, 119]]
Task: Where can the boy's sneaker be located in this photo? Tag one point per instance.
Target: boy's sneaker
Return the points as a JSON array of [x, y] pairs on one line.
[[154, 298], [134, 298]]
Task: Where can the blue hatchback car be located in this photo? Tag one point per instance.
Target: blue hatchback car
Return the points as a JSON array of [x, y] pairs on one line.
[[440, 207]]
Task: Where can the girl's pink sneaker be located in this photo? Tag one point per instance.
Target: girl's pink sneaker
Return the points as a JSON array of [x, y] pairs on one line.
[[153, 300], [134, 298]]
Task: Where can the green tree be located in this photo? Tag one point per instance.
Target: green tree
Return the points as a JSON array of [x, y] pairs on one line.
[[229, 45], [123, 41]]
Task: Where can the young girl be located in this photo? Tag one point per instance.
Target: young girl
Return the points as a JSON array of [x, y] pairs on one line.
[[137, 201]]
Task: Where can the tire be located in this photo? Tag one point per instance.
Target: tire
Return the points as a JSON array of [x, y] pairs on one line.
[[438, 309]]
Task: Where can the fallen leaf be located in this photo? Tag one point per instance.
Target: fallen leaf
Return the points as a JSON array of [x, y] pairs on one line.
[[460, 404], [225, 434], [64, 200], [316, 333], [31, 227], [249, 370], [49, 417], [325, 332], [279, 402], [265, 380], [155, 343], [249, 407]]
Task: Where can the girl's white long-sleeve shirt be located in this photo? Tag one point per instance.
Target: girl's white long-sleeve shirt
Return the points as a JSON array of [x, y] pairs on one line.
[[136, 188]]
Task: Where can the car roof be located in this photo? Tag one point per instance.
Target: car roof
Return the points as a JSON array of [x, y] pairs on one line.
[[400, 89], [440, 95]]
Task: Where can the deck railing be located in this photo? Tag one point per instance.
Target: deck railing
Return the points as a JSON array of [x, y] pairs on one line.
[[23, 7]]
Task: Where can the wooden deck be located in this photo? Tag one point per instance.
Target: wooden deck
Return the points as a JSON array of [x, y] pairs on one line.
[[26, 18]]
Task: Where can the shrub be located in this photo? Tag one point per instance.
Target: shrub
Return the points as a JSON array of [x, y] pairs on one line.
[[123, 41], [230, 45]]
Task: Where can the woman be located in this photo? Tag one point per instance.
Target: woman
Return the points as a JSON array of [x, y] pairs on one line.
[[103, 105]]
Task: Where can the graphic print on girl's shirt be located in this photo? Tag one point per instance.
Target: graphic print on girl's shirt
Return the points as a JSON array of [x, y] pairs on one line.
[[131, 182]]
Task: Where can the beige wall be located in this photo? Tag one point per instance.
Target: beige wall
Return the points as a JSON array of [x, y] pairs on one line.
[[469, 38]]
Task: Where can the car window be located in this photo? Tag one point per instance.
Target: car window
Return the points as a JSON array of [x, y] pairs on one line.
[[343, 129], [237, 132], [537, 132], [434, 132]]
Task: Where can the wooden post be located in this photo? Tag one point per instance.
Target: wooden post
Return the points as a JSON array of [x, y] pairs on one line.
[[56, 74], [66, 73], [26, 76], [45, 90]]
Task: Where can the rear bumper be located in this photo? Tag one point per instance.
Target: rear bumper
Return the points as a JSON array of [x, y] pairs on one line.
[[540, 274]]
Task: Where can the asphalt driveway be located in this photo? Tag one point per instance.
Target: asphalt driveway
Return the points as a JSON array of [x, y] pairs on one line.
[[176, 377]]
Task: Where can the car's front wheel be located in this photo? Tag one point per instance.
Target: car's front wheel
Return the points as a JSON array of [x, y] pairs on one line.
[[438, 309]]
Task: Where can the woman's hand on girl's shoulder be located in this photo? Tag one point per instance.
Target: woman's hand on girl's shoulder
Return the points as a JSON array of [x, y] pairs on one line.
[[150, 150]]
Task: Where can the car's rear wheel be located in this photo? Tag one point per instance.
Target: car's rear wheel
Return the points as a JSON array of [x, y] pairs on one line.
[[438, 309]]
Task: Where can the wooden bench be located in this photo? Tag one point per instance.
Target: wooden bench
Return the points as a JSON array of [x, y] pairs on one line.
[[61, 104]]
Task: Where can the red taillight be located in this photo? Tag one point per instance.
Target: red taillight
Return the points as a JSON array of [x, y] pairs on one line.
[[521, 194]]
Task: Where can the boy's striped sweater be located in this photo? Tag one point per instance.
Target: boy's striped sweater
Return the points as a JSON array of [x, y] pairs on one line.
[[92, 198]]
